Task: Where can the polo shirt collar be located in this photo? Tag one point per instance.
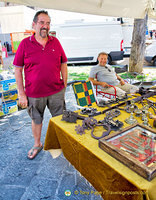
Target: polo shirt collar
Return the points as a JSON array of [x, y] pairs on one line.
[[33, 39]]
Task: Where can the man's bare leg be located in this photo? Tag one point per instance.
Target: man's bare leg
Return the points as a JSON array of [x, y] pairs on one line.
[[1, 60], [36, 129]]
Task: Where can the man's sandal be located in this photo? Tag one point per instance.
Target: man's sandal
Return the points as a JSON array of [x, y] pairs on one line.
[[32, 151]]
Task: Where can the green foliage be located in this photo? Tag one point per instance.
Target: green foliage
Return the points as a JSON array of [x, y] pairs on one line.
[[153, 79], [77, 76], [128, 75], [141, 77]]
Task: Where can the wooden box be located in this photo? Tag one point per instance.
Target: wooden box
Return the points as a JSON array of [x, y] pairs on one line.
[[135, 146]]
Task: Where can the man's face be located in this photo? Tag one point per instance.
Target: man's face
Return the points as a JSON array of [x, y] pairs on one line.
[[42, 26], [102, 60]]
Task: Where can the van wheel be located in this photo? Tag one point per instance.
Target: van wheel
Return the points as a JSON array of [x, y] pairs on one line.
[[109, 60], [154, 62]]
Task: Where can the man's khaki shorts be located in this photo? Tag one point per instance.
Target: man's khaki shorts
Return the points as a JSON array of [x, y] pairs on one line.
[[36, 106]]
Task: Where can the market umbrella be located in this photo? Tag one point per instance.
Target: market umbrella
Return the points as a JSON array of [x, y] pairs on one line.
[[116, 8]]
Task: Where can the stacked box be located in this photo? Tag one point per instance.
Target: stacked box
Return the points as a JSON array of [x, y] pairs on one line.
[[6, 85], [8, 107], [11, 95], [8, 96]]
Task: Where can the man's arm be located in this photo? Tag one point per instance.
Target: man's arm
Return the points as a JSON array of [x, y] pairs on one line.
[[64, 73], [95, 82], [23, 102], [122, 82]]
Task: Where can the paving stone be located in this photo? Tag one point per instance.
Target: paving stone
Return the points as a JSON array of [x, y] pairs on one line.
[[41, 189], [5, 160], [85, 189], [68, 183], [22, 157], [19, 173], [52, 168], [8, 192], [70, 168]]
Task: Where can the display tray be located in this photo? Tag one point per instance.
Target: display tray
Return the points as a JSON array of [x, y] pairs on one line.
[[135, 146]]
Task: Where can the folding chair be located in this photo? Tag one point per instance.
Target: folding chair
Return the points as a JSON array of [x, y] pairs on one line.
[[85, 93], [85, 96], [105, 94]]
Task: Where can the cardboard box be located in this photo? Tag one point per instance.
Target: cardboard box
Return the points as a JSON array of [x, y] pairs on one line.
[[6, 85], [8, 107], [11, 95]]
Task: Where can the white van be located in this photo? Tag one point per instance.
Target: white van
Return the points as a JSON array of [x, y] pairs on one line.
[[150, 53], [83, 42], [127, 31]]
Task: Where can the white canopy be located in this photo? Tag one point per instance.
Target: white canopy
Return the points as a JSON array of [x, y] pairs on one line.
[[18, 19], [116, 8]]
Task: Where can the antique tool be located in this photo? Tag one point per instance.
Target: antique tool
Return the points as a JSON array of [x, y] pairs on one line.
[[128, 137], [79, 130], [145, 109], [154, 119], [131, 152], [132, 148], [91, 123], [88, 123], [143, 90], [146, 95], [127, 108], [110, 108], [140, 138], [138, 112], [105, 133], [103, 103], [152, 105], [70, 116], [147, 146], [89, 110], [149, 158], [146, 134], [131, 120], [145, 120], [114, 124], [144, 115], [113, 113], [137, 144]]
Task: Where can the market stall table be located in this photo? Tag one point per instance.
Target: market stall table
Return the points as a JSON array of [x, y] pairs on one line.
[[111, 178]]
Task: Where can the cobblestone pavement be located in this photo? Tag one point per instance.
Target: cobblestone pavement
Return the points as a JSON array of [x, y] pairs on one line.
[[42, 178]]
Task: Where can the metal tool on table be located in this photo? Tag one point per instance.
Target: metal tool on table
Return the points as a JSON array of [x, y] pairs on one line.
[[131, 120]]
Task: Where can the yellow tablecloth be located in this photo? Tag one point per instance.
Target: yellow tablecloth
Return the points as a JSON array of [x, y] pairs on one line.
[[110, 177]]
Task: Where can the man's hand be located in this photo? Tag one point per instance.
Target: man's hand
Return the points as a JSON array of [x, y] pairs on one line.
[[122, 82], [95, 82], [104, 84], [23, 101]]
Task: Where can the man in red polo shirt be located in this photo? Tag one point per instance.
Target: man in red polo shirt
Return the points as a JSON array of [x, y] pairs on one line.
[[45, 71]]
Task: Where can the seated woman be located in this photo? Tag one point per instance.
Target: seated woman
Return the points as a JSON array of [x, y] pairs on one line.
[[106, 76]]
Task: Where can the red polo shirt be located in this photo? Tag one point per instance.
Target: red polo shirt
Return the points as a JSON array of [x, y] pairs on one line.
[[42, 66]]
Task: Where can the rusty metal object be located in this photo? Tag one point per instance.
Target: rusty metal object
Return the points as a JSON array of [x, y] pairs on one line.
[[70, 116]]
